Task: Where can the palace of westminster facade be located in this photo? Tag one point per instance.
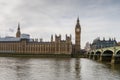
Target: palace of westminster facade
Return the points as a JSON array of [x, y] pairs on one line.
[[22, 43]]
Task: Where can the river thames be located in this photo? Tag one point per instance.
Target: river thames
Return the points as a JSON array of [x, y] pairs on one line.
[[56, 69]]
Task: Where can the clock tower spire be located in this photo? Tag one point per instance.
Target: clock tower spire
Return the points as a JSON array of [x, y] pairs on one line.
[[77, 37]]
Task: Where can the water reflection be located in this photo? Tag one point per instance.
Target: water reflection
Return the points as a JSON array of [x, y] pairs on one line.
[[61, 66], [77, 68], [7, 69], [56, 69], [22, 68]]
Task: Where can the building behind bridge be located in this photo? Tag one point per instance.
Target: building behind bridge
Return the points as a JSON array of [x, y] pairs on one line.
[[97, 43]]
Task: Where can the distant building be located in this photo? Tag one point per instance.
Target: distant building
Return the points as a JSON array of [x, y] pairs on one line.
[[22, 43], [97, 43], [87, 46], [118, 43]]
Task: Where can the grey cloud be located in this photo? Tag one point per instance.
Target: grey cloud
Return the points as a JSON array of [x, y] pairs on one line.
[[41, 18]]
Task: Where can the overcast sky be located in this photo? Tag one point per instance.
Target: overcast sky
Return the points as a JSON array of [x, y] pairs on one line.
[[41, 18]]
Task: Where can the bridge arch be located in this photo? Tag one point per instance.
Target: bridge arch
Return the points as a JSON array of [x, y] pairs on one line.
[[118, 52], [117, 57], [98, 52], [88, 54], [107, 55], [97, 55], [108, 52], [91, 55], [92, 52]]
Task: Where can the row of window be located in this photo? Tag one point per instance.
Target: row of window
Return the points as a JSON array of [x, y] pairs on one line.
[[30, 48]]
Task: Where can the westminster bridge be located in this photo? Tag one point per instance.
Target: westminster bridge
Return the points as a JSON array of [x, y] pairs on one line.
[[109, 54]]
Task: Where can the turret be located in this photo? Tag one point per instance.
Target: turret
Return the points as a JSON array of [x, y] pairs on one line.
[[68, 38], [51, 38], [57, 38]]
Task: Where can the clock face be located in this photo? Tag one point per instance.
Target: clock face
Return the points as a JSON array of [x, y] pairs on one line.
[[77, 30]]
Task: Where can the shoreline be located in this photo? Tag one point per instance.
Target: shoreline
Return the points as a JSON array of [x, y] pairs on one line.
[[41, 55]]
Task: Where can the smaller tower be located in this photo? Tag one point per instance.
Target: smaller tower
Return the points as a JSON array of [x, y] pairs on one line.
[[18, 31], [51, 38], [68, 38], [57, 38]]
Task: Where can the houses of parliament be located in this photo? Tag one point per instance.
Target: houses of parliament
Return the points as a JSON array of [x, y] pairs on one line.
[[22, 43]]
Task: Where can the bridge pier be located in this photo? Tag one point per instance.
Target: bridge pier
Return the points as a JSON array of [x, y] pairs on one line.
[[88, 55], [94, 57], [97, 57], [113, 59], [91, 55], [117, 59], [100, 58]]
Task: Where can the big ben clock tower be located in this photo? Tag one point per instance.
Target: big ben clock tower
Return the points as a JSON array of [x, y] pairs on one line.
[[77, 37]]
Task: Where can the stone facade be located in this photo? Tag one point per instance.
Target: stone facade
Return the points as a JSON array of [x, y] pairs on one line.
[[23, 44]]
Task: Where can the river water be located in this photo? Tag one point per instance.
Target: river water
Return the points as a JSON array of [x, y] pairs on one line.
[[56, 69]]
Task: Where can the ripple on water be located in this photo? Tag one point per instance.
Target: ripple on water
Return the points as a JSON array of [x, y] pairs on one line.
[[56, 69]]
